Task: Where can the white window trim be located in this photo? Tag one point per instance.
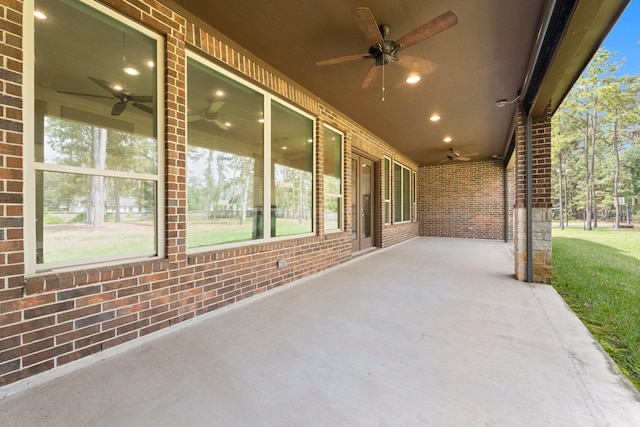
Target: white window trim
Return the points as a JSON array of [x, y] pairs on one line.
[[266, 217], [340, 196], [30, 165]]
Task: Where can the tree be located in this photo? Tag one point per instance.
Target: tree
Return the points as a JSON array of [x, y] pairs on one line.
[[593, 130]]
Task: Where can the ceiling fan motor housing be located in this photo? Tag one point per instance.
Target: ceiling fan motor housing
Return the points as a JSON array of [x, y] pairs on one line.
[[384, 54]]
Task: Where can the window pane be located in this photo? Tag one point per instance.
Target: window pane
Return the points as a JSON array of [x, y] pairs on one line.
[[387, 190], [332, 180], [95, 108], [225, 134], [86, 217], [94, 90], [406, 194], [397, 192], [332, 213], [292, 172], [79, 144]]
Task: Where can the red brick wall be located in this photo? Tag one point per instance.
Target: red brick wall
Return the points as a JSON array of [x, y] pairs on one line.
[[48, 320], [11, 214], [462, 200], [541, 159]]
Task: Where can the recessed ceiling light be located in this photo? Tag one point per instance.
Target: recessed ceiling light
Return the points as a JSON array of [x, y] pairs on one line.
[[434, 118], [39, 14], [261, 120], [150, 64], [219, 93], [413, 79], [117, 87], [309, 140], [131, 71], [227, 124], [447, 139], [284, 148]]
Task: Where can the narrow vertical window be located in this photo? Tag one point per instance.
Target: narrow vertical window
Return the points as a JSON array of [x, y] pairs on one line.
[[291, 172], [333, 218], [96, 160], [387, 190], [414, 196], [402, 193]]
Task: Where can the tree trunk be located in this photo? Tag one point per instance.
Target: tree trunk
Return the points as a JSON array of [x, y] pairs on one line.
[[560, 207], [207, 196], [587, 146], [97, 182], [616, 173], [116, 197]]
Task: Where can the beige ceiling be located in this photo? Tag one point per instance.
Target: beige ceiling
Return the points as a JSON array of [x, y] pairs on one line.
[[482, 59]]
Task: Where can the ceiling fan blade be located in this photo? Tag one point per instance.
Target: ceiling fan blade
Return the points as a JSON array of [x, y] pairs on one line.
[[214, 107], [118, 108], [341, 59], [220, 124], [373, 73], [85, 94], [142, 107], [428, 29], [470, 154], [463, 159], [418, 65], [368, 25], [105, 85]]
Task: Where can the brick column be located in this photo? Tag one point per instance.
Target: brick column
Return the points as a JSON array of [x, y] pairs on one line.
[[541, 197]]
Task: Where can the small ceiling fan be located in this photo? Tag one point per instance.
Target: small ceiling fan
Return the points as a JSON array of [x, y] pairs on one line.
[[211, 114], [453, 155], [123, 96], [385, 52]]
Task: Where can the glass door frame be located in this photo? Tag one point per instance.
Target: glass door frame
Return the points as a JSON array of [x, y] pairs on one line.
[[359, 218]]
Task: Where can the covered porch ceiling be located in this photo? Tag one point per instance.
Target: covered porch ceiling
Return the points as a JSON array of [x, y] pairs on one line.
[[486, 57]]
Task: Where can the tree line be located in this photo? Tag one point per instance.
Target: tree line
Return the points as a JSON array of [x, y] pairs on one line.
[[595, 146]]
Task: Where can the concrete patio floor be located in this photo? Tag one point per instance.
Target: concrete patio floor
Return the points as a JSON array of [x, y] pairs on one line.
[[432, 332]]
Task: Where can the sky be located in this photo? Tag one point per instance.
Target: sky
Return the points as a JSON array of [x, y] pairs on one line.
[[624, 38]]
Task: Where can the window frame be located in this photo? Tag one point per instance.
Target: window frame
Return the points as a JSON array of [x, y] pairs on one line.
[[339, 196], [32, 167], [268, 98]]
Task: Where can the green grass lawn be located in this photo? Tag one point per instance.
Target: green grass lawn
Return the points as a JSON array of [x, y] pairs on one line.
[[598, 274]]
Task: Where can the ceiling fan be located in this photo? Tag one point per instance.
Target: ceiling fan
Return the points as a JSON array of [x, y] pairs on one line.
[[385, 52], [123, 96], [453, 155], [211, 114]]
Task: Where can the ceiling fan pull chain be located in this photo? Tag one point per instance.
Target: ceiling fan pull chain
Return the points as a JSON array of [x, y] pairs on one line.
[[383, 76]]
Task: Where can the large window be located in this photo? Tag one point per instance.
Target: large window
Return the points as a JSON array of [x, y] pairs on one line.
[[332, 180], [401, 193], [95, 166], [249, 161], [225, 154]]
